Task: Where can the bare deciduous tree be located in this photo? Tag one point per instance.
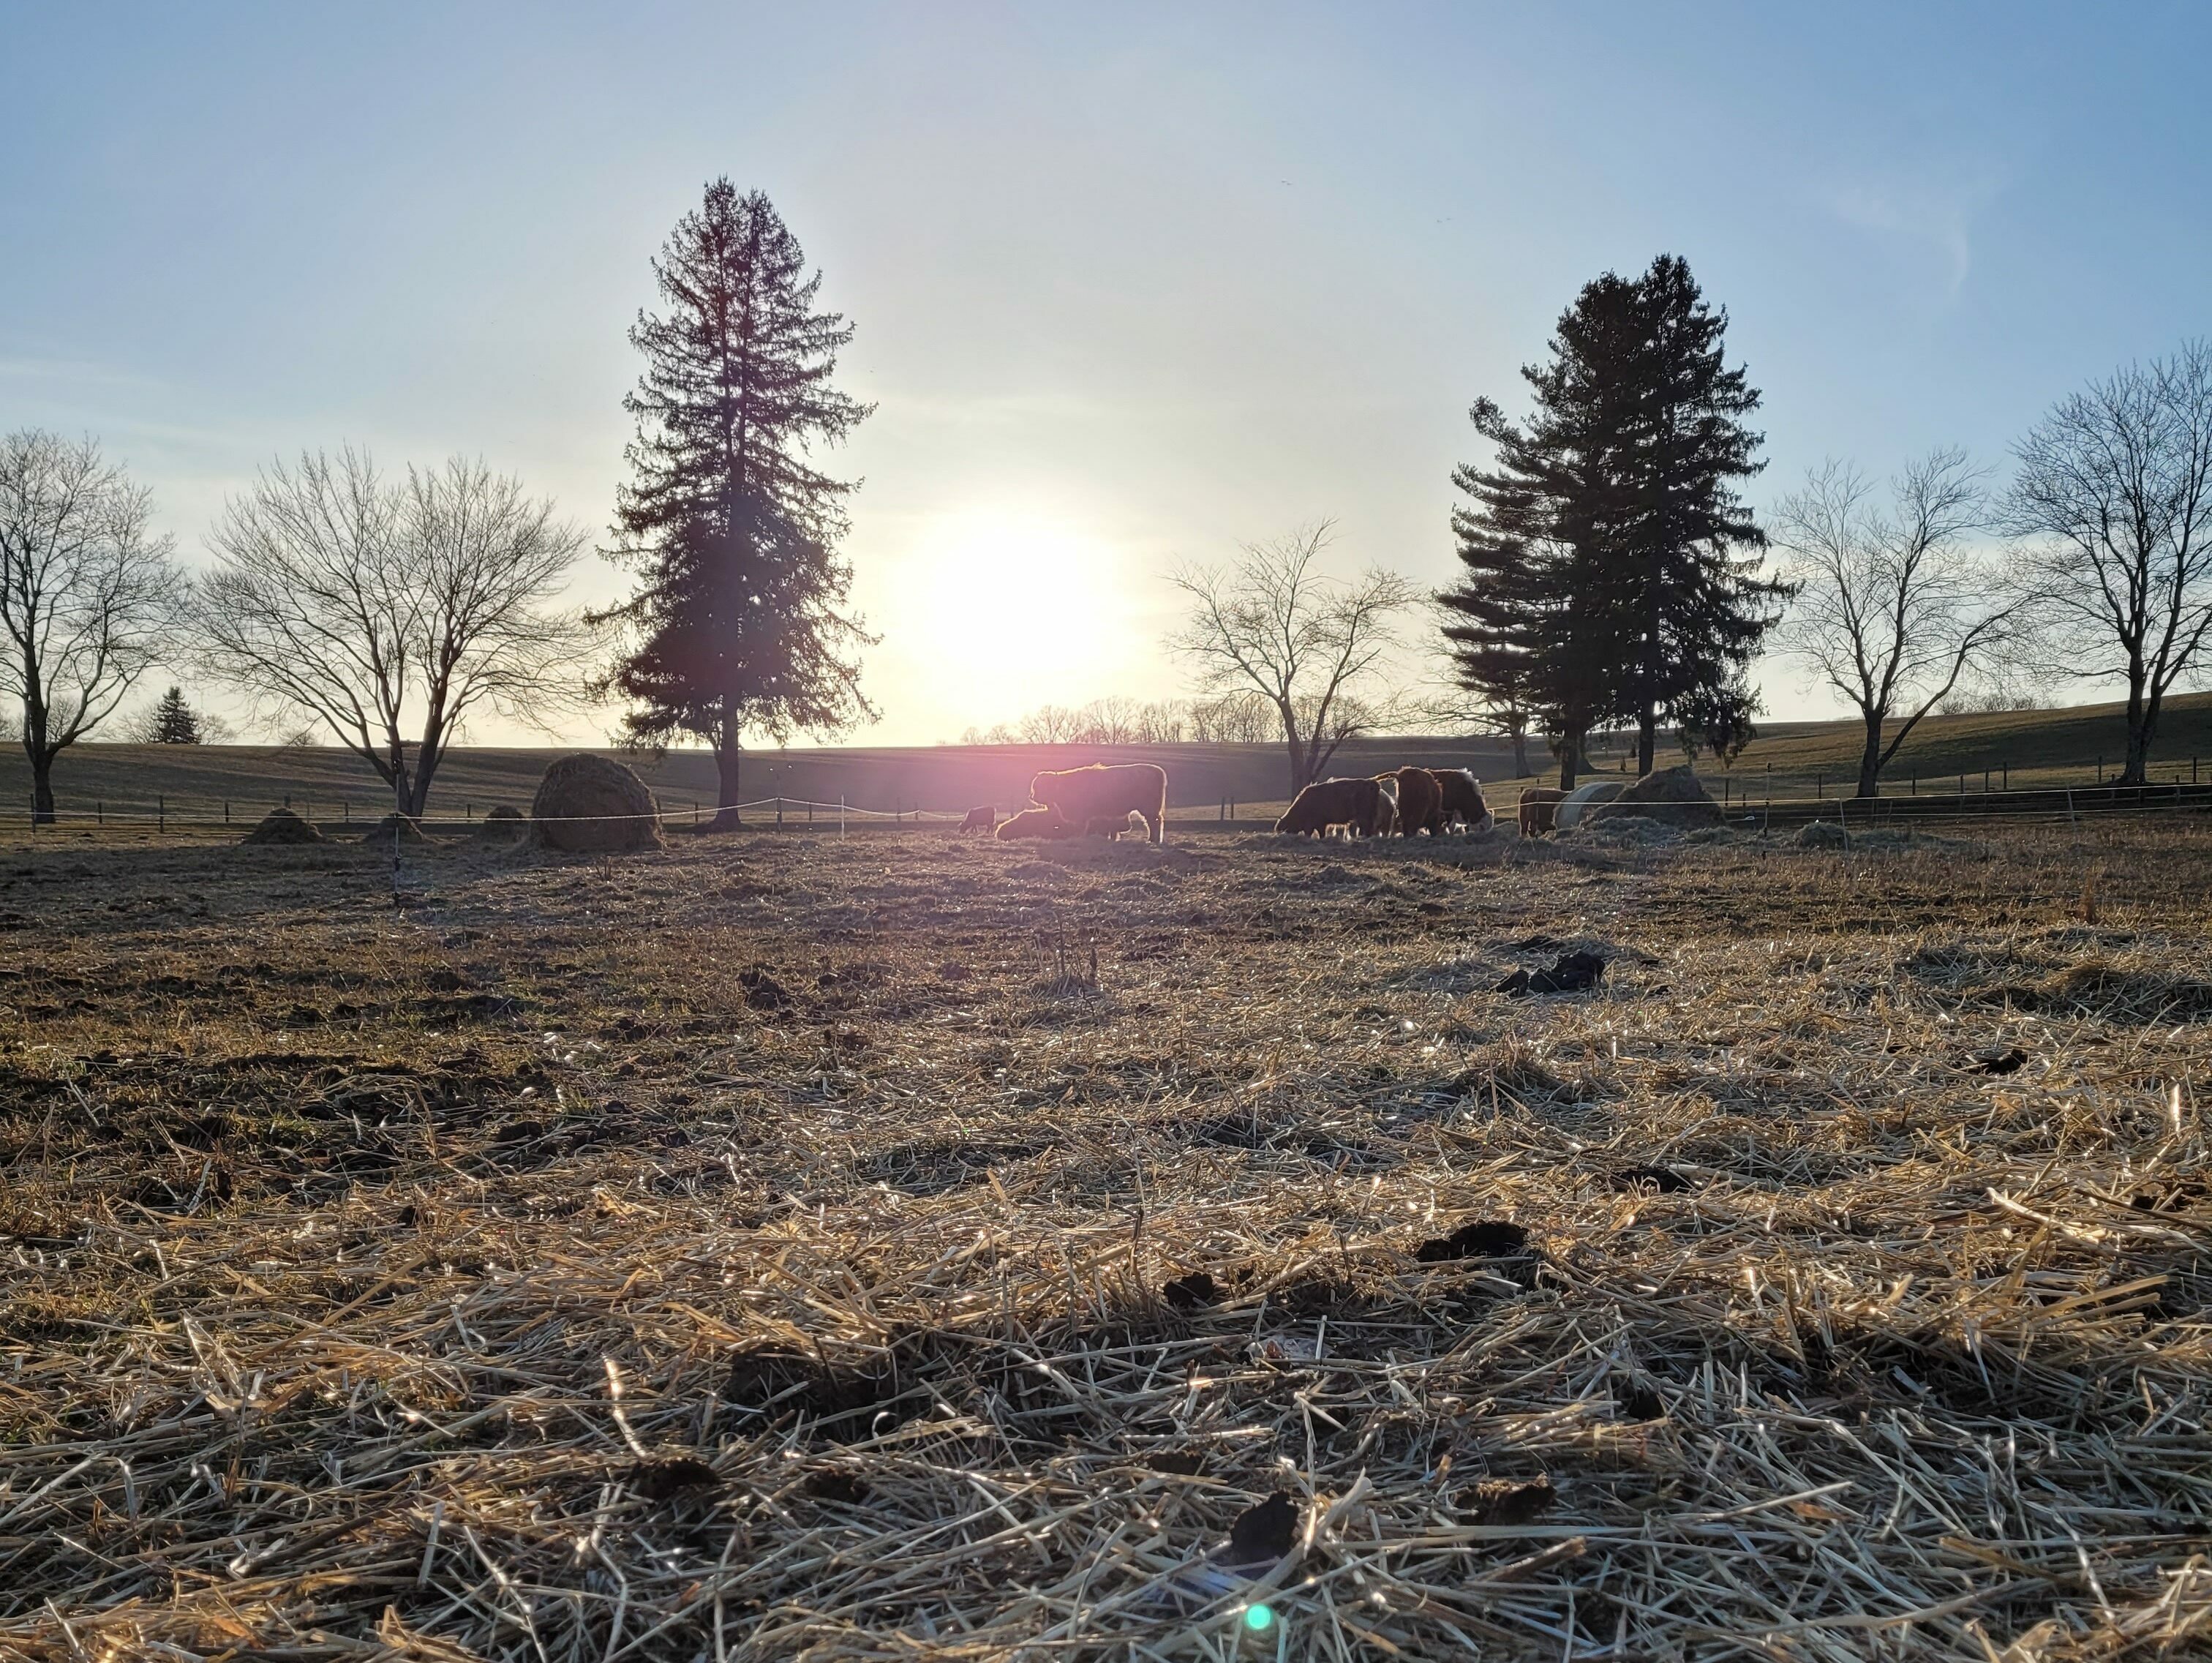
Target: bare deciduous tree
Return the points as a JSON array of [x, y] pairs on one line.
[[2113, 505], [1049, 724], [1161, 722], [1231, 719], [1895, 604], [1108, 720], [370, 606], [88, 595], [1271, 623]]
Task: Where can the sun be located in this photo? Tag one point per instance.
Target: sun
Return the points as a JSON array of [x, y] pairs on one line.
[[1000, 613]]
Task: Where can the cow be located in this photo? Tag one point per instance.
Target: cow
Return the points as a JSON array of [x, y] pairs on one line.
[[1035, 823], [1540, 810], [1460, 799], [979, 819], [1106, 790], [1361, 804], [1418, 801]]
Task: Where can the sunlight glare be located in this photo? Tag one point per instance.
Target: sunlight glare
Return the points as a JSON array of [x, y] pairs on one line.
[[1002, 613]]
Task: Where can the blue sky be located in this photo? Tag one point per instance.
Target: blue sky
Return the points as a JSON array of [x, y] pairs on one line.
[[1131, 283]]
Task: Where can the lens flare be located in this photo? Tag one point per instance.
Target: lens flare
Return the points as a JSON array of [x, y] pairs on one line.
[[1259, 1618]]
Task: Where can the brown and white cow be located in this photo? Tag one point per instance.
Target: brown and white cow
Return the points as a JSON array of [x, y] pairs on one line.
[[1107, 791], [1460, 799], [1036, 823], [1419, 799], [1362, 805]]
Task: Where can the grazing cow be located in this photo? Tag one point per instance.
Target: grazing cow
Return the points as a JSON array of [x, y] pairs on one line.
[[1460, 799], [979, 819], [1540, 810], [1362, 805], [1081, 794], [1036, 823], [1106, 826], [1419, 802]]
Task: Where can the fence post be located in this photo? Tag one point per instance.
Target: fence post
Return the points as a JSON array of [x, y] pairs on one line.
[[100, 809], [779, 813], [840, 814], [160, 817], [1820, 788], [2100, 770], [2004, 779], [226, 811], [1916, 782]]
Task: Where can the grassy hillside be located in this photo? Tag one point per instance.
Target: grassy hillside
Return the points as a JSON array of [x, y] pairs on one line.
[[2025, 747]]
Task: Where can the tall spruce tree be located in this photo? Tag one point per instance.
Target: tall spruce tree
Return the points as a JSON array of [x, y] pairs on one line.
[[174, 722], [1686, 577], [1532, 625], [739, 622], [1611, 570]]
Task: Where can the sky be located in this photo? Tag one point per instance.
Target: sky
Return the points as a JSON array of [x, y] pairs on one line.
[[1131, 284]]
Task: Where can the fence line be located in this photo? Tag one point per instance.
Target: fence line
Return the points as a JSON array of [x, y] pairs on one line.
[[2027, 804]]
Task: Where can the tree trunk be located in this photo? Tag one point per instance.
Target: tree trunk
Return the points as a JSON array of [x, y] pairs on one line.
[[1647, 740], [728, 755], [2142, 723], [1519, 753], [1571, 755], [1870, 759], [2137, 769], [42, 790]]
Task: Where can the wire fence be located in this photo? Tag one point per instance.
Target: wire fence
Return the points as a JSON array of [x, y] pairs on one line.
[[183, 822]]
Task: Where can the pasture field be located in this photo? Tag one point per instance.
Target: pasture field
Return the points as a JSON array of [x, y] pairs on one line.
[[897, 1247], [111, 792]]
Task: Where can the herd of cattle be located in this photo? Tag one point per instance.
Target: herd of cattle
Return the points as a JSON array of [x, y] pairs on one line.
[[1130, 800]]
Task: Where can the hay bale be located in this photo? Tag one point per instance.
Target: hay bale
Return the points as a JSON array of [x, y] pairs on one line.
[[282, 826], [502, 822], [1578, 803], [1674, 796], [588, 804], [1627, 830], [392, 825], [1823, 834]]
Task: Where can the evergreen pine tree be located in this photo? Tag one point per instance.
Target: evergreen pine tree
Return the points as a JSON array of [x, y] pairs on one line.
[[1533, 626], [173, 722], [1612, 571], [739, 622], [1686, 579]]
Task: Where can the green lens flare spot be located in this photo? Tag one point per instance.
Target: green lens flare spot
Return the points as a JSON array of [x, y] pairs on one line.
[[1259, 1618]]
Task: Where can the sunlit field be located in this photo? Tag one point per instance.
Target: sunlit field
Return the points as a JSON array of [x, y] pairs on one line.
[[894, 1246]]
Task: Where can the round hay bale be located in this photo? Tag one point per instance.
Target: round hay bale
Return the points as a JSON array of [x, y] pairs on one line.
[[502, 822], [1823, 834], [588, 805], [282, 826], [1672, 795], [390, 825], [1580, 800]]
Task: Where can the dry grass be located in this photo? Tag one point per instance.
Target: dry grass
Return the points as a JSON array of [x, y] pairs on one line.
[[758, 1250]]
